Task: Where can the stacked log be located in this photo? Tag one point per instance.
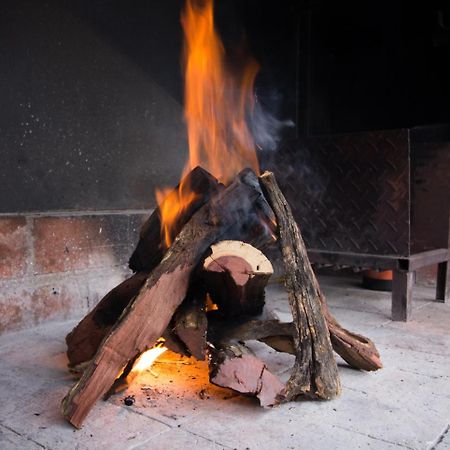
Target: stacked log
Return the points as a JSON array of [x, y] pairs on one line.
[[215, 258]]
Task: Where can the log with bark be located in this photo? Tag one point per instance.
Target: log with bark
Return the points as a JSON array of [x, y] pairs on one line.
[[240, 211], [151, 248], [235, 275], [315, 371], [84, 340], [358, 351]]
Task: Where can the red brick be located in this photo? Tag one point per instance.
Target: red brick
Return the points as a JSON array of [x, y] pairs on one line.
[[13, 247], [69, 243], [11, 314], [28, 305]]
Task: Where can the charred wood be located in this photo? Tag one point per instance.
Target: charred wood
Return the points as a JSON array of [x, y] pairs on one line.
[[191, 324], [235, 275], [151, 248]]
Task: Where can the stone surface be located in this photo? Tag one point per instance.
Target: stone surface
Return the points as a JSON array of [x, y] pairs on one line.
[[444, 442], [404, 405]]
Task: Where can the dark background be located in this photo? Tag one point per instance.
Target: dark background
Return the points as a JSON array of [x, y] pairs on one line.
[[91, 91]]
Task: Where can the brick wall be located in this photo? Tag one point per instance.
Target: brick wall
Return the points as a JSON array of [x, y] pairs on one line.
[[58, 266]]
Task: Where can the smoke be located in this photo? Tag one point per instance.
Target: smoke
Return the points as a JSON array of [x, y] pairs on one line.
[[266, 128]]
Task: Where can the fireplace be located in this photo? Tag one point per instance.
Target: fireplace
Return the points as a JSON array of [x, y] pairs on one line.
[[92, 123]]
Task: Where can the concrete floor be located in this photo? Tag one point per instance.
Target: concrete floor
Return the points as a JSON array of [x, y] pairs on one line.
[[405, 405]]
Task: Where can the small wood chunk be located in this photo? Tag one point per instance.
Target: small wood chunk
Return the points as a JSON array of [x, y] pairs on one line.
[[236, 274], [234, 367]]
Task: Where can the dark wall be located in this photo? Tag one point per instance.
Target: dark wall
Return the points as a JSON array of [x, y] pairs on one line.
[[370, 65], [92, 95], [91, 114]]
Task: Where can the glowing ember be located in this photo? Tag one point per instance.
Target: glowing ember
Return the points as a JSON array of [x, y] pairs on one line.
[[146, 360], [217, 103]]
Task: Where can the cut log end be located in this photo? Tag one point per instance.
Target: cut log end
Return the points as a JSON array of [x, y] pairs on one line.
[[236, 274]]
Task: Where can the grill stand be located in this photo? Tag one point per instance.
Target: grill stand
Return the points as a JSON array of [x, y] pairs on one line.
[[403, 271]]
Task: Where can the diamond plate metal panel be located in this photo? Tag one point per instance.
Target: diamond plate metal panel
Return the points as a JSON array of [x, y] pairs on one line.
[[350, 193]]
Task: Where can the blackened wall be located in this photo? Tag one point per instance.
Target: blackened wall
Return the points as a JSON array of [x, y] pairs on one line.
[[91, 96], [368, 65]]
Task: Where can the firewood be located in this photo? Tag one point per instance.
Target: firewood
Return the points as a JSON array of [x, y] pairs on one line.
[[358, 351], [150, 248], [276, 334], [239, 211], [84, 340], [222, 330], [236, 275], [190, 323], [234, 367], [315, 371]]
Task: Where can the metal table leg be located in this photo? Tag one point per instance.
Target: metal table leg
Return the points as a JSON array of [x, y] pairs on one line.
[[441, 281], [402, 284]]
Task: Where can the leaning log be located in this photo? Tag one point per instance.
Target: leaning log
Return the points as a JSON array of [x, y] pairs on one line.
[[315, 371], [84, 340], [358, 351], [239, 211], [235, 275], [151, 248]]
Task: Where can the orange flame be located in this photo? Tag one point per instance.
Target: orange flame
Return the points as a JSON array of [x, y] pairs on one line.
[[216, 101], [216, 105], [172, 203], [147, 359]]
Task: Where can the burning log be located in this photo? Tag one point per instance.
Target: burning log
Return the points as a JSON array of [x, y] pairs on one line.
[[315, 371], [84, 340], [236, 275], [150, 248], [234, 367], [236, 212]]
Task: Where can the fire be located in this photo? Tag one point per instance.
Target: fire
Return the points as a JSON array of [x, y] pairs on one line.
[[147, 359], [172, 203], [217, 104], [216, 101]]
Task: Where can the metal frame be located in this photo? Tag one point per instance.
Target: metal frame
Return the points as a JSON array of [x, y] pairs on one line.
[[403, 268]]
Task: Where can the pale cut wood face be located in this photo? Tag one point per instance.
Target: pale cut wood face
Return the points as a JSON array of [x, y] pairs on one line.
[[256, 260]]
